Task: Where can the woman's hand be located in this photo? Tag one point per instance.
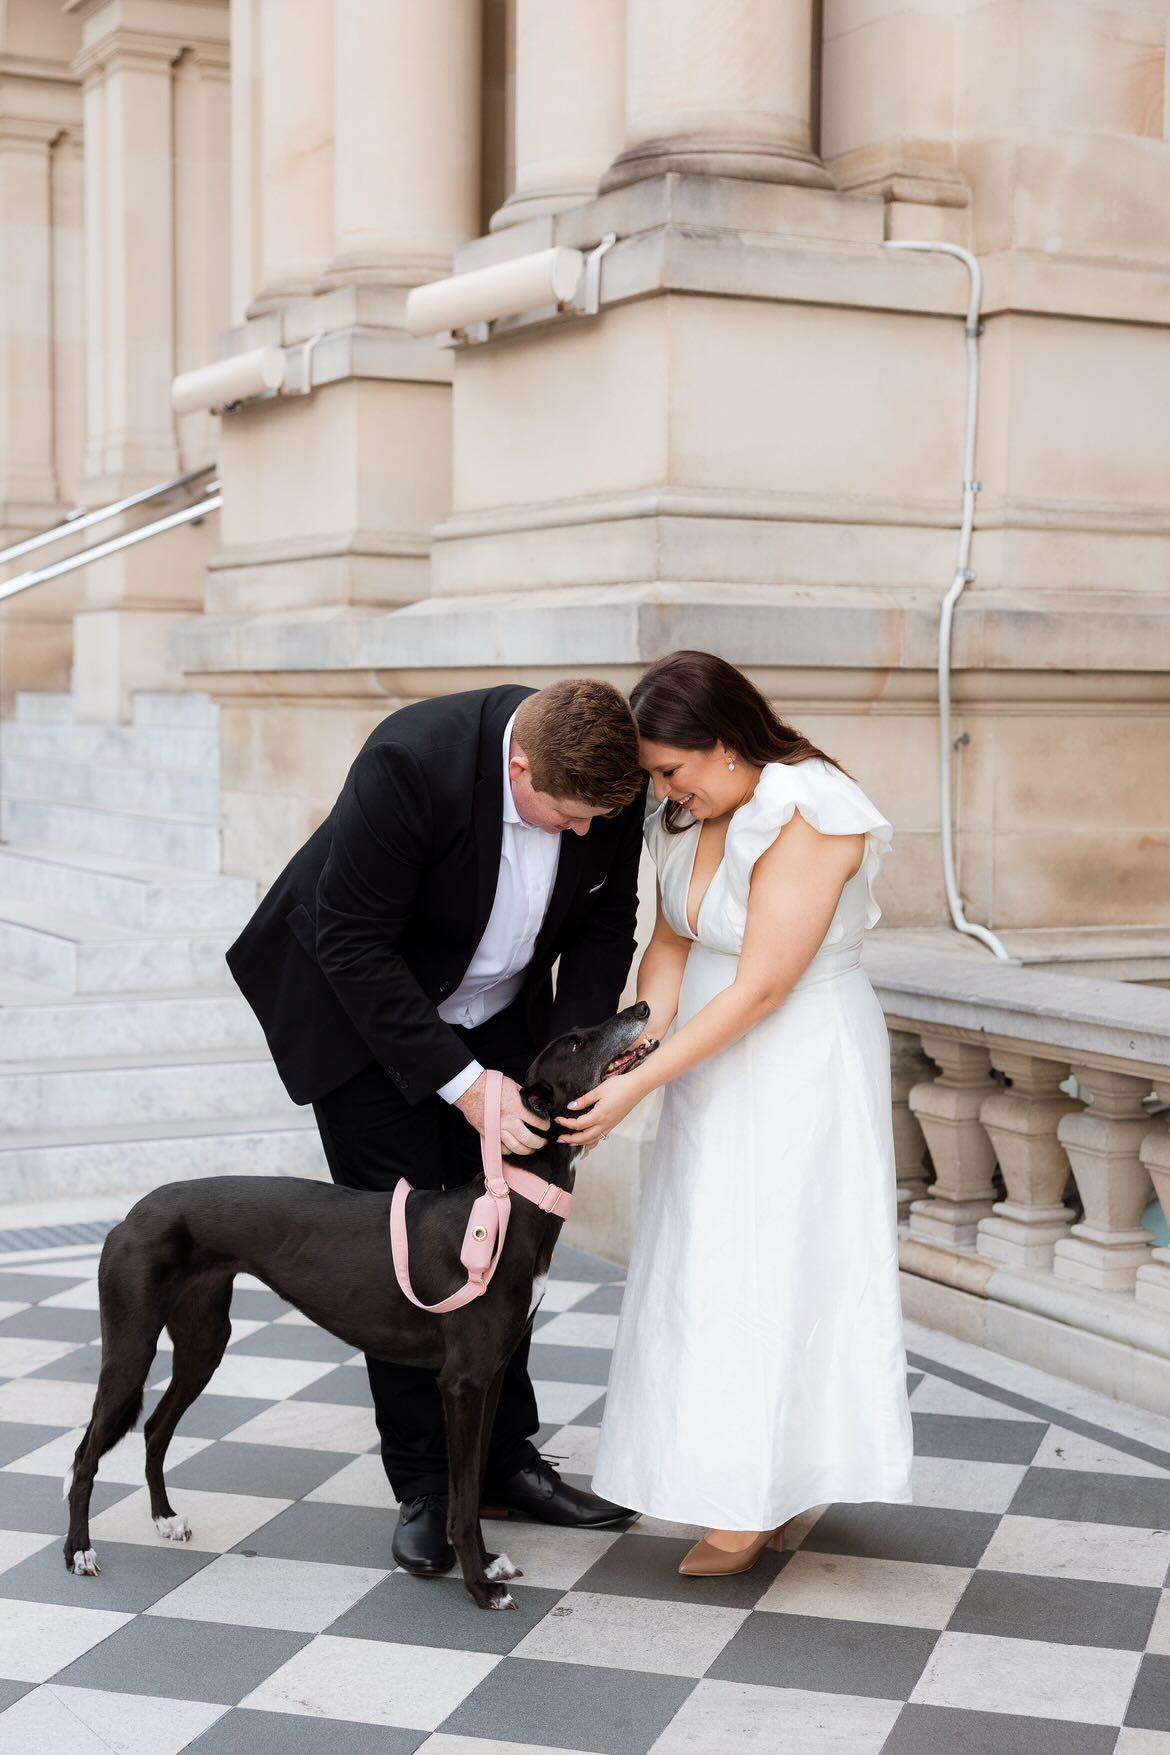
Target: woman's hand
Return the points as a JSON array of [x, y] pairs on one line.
[[599, 1111]]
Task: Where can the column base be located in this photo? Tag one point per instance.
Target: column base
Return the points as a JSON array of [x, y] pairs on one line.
[[1023, 1237], [1152, 1282], [942, 1219], [704, 157], [538, 203], [1108, 1260]]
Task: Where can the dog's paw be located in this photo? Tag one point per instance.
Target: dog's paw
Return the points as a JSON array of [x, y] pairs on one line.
[[85, 1563], [175, 1529], [500, 1567], [501, 1600]]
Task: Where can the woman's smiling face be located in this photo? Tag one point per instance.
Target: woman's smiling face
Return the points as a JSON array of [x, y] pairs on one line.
[[699, 780]]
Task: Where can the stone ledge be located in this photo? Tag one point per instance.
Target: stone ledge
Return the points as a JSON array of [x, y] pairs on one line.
[[1004, 648]]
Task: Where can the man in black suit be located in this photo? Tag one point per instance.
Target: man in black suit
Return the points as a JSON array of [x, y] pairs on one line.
[[409, 943]]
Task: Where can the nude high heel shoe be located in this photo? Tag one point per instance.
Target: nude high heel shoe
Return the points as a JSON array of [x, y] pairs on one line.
[[706, 1561]]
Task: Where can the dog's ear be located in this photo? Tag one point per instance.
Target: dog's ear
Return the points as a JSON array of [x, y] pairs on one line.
[[539, 1098]]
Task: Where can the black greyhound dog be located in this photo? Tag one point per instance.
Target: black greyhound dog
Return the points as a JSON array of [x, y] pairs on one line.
[[326, 1249]]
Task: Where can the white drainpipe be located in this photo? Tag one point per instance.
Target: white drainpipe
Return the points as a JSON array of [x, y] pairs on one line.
[[963, 577]]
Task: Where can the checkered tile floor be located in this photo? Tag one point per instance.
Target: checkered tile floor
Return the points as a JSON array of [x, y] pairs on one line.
[[1020, 1604]]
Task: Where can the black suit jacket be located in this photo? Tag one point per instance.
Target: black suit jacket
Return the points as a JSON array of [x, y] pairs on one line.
[[375, 920]]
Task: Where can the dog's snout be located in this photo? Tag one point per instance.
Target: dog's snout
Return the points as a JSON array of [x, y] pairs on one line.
[[641, 1010]]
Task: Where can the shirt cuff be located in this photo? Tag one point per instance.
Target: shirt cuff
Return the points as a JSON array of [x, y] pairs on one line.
[[462, 1081]]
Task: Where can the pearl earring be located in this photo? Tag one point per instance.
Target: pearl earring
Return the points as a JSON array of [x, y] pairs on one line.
[[731, 767]]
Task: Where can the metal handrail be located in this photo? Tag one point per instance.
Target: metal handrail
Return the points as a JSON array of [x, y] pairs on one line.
[[96, 552], [83, 520]]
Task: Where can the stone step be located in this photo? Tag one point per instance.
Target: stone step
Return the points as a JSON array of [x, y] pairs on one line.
[[185, 843], [43, 708], [49, 1096], [59, 1027], [116, 786], [76, 954], [178, 707], [139, 746], [148, 897], [98, 1159]]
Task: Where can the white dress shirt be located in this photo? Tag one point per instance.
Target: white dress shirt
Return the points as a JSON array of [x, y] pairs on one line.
[[495, 975]]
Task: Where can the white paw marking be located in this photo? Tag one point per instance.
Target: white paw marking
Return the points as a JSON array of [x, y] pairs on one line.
[[538, 1285], [85, 1564], [504, 1601], [175, 1529], [67, 1483], [501, 1567]]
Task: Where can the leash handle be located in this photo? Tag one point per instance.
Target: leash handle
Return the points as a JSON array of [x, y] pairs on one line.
[[491, 1148]]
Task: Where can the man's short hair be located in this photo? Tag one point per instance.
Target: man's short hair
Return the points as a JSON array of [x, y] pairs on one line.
[[581, 740]]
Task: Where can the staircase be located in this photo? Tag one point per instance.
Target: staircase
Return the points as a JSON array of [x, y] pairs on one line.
[[128, 1057]]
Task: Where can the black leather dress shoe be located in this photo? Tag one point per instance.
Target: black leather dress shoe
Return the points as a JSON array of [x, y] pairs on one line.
[[537, 1491], [420, 1542]]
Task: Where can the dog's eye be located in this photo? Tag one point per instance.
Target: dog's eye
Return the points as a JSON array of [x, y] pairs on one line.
[[576, 1044]]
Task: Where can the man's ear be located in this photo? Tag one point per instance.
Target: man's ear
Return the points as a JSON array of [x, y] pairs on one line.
[[538, 1098]]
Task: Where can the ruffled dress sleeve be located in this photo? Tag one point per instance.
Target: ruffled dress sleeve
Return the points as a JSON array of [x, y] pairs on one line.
[[826, 798]]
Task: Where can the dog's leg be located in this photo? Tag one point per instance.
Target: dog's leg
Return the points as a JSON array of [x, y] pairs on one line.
[[496, 1566], [131, 1309], [200, 1326], [464, 1403]]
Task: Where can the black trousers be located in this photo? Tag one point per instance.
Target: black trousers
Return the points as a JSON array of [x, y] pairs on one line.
[[372, 1136]]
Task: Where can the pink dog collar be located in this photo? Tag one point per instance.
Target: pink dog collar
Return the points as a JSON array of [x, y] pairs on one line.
[[487, 1224]]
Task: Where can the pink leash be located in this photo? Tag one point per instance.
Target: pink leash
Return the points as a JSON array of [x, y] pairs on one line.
[[487, 1224]]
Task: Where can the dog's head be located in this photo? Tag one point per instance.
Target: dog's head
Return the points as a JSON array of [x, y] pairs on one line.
[[578, 1061]]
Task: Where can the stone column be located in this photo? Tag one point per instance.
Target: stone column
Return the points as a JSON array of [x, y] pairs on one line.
[[294, 202], [570, 103], [147, 159], [406, 158], [720, 91], [1021, 1124], [908, 1067], [28, 486], [1104, 1143], [1152, 1283], [964, 1158]]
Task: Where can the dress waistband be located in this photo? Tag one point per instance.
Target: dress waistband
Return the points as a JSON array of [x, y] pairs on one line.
[[829, 962]]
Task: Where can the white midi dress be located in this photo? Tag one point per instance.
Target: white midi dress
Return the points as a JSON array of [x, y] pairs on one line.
[[760, 1367]]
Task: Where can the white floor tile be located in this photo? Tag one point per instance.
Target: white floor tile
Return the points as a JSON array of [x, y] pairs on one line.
[[633, 1633], [550, 1558], [361, 1482], [563, 1294], [564, 1401], [1134, 1742], [301, 1595], [38, 1639], [1084, 1684], [125, 1463], [1063, 1449], [310, 1426], [848, 1587], [94, 1721], [18, 1356], [959, 1484], [721, 1716], [269, 1379], [371, 1681], [41, 1401], [443, 1743], [1055, 1548], [218, 1520], [17, 1545], [82, 1296], [9, 1307], [938, 1395], [576, 1328], [573, 1450]]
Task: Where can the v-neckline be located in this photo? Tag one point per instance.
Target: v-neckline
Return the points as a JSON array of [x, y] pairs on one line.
[[694, 930]]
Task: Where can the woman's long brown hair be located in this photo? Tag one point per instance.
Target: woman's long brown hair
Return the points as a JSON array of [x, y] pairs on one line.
[[694, 700]]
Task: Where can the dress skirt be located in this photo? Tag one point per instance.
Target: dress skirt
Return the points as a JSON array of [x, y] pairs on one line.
[[760, 1367]]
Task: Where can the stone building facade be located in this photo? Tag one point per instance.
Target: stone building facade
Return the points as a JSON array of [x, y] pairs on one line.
[[754, 445]]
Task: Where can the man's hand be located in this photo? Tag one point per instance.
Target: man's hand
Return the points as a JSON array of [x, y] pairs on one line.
[[519, 1133]]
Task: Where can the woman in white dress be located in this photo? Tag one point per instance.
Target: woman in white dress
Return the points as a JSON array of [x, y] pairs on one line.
[[760, 1364]]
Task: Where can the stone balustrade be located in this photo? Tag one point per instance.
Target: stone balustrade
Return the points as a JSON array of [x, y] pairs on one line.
[[1041, 1103]]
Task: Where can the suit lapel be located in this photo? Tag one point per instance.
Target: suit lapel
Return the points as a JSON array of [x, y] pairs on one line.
[[487, 810]]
